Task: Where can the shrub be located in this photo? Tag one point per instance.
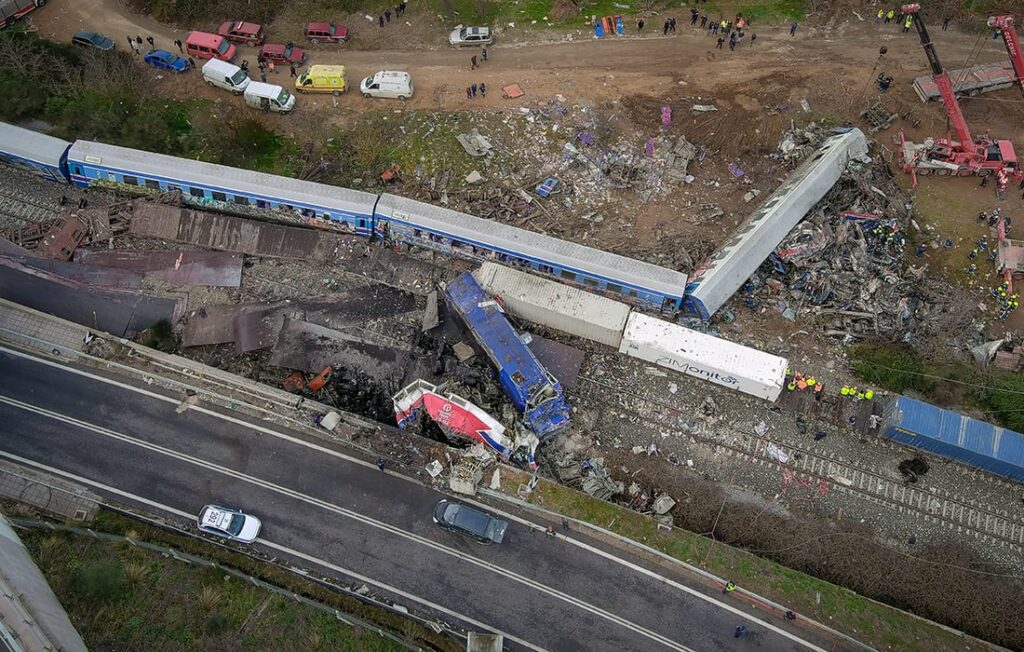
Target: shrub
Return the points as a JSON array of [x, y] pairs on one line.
[[100, 582]]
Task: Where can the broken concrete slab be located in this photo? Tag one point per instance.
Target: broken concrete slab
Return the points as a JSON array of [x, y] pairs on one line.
[[474, 178], [431, 317], [216, 324], [211, 268], [475, 144]]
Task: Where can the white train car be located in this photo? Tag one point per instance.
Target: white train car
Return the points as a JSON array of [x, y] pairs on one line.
[[702, 356], [717, 280], [561, 307]]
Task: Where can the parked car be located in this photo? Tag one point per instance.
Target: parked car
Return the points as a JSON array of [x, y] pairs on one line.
[[88, 39], [209, 46], [229, 523], [242, 32], [470, 521], [283, 53], [164, 60], [388, 83], [461, 36], [326, 33]]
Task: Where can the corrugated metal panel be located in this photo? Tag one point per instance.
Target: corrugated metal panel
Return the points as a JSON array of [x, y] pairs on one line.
[[32, 145], [715, 282], [182, 171], [696, 354], [955, 436], [534, 245], [555, 305]]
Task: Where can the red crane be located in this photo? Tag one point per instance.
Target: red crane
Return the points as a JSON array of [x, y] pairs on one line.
[[964, 156], [1005, 26]]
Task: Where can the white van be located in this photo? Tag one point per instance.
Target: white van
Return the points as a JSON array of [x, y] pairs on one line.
[[228, 76], [388, 83], [269, 97]]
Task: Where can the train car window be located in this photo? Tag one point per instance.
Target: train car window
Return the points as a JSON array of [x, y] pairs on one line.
[[417, 233], [262, 203], [568, 275], [76, 169], [592, 282], [197, 192], [240, 200], [131, 181], [362, 224], [219, 196], [547, 269], [151, 183], [612, 287], [631, 292], [173, 188]]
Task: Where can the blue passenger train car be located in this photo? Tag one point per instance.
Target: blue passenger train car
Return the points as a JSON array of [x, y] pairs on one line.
[[953, 435], [415, 223], [220, 187], [38, 153], [534, 391]]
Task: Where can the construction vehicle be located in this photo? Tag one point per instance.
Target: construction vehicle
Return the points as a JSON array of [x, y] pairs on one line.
[[963, 156], [984, 78], [1005, 26]]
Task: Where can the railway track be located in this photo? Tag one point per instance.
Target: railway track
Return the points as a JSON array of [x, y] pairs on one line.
[[18, 208], [953, 512]]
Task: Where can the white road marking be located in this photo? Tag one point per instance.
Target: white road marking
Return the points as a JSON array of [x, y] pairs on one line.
[[276, 546], [607, 615], [628, 564]]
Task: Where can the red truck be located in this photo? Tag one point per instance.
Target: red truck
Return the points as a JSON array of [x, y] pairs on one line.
[[12, 10]]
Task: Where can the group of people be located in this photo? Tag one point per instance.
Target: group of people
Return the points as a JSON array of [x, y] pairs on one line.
[[886, 16], [856, 393], [475, 63], [386, 16], [797, 382], [1007, 298], [726, 30]]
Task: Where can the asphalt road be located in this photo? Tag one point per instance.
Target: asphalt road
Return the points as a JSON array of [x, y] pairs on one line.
[[346, 518]]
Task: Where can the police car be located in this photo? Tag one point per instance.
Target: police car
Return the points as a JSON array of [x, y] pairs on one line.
[[229, 523]]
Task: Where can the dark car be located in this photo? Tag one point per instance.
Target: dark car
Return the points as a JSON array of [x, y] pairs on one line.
[[283, 53], [470, 521], [164, 60], [326, 33], [88, 39], [241, 32]]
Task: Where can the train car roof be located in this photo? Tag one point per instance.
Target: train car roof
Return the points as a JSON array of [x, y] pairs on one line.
[[534, 245], [32, 145], [222, 177]]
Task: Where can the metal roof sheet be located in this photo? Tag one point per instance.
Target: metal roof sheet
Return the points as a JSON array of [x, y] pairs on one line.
[[258, 184], [534, 245], [32, 145]]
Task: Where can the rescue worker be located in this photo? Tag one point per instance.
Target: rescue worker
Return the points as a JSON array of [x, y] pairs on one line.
[[818, 390], [973, 254], [811, 382], [729, 588], [889, 16], [845, 391], [870, 394], [972, 268], [880, 16], [907, 24], [860, 396]]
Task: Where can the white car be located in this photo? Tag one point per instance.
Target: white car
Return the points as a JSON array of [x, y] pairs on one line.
[[229, 523], [461, 36]]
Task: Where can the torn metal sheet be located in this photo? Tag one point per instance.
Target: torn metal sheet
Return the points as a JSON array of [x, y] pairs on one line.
[[212, 268], [458, 417], [216, 324], [475, 144], [97, 276], [562, 360]]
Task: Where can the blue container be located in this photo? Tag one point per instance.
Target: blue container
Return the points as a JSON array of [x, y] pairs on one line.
[[980, 444]]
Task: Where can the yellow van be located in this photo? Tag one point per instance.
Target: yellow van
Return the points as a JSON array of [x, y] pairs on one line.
[[322, 79]]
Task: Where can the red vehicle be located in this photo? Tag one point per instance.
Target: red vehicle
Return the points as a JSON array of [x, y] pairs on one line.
[[209, 46], [282, 53], [326, 33], [241, 32], [12, 10]]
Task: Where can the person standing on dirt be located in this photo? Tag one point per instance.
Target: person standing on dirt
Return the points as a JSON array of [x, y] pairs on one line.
[[907, 24], [483, 53], [694, 15], [263, 75], [640, 25], [945, 23], [177, 42], [245, 66], [721, 40], [472, 62], [664, 29], [792, 28], [469, 93], [889, 16], [753, 37], [703, 21], [149, 39], [135, 46], [472, 88], [732, 42], [292, 70], [381, 21], [880, 16], [483, 89], [387, 15]]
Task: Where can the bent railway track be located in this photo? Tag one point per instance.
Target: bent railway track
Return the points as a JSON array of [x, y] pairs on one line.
[[956, 513]]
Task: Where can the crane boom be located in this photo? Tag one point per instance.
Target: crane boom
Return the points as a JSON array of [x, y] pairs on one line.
[[1005, 26], [942, 80]]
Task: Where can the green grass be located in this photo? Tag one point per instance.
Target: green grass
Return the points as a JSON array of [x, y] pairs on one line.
[[127, 598], [871, 622], [768, 11], [162, 608]]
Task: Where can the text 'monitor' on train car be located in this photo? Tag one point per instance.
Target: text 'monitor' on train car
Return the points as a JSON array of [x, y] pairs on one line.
[[458, 234], [38, 153], [220, 187], [536, 394]]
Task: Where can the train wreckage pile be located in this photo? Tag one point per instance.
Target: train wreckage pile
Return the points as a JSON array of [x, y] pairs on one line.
[[845, 266]]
